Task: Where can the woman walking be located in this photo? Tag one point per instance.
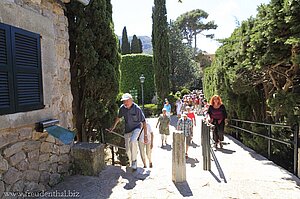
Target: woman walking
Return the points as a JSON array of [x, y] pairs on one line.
[[217, 114], [164, 122]]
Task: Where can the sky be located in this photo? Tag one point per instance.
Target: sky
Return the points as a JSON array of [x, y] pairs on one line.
[[136, 15]]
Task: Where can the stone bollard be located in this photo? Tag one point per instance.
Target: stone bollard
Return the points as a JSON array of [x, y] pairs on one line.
[[88, 158], [178, 157]]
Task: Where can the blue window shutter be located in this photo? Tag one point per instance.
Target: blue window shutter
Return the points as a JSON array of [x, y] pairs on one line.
[[26, 54], [6, 72]]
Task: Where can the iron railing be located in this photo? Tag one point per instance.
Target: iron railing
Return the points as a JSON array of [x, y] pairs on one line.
[[112, 146], [237, 124]]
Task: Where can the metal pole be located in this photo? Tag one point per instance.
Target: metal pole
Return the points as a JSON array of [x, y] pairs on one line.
[[142, 84], [269, 142], [296, 163]]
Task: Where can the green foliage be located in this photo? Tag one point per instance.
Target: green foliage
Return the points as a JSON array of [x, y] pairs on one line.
[[192, 23], [183, 70], [140, 45], [95, 61], [136, 45], [132, 67], [185, 91], [160, 42], [256, 71], [151, 110], [125, 47]]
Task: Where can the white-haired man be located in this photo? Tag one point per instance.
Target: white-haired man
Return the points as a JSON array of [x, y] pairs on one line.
[[133, 116]]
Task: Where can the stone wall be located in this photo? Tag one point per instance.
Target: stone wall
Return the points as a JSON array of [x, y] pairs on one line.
[[30, 160]]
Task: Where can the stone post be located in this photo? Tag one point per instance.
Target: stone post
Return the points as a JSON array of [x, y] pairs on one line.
[[88, 158], [178, 157]]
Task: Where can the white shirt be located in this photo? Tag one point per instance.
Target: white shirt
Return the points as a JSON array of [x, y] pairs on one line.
[[148, 134], [178, 106]]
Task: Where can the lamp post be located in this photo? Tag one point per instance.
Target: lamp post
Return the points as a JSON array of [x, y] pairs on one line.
[[142, 80]]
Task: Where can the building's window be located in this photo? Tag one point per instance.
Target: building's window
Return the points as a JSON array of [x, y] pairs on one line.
[[21, 86]]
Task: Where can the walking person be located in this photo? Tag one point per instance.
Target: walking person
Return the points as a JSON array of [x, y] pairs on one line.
[[178, 107], [185, 124], [168, 107], [164, 123], [146, 146], [217, 114], [134, 123], [190, 114]]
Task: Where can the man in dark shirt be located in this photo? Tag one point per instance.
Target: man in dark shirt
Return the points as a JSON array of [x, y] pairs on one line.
[[134, 123]]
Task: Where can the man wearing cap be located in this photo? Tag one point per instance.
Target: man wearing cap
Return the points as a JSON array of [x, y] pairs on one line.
[[134, 123]]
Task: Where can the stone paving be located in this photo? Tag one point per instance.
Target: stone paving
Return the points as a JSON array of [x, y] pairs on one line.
[[237, 173]]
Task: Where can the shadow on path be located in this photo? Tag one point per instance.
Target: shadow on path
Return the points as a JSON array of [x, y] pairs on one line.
[[184, 189], [194, 145], [221, 173], [167, 147], [216, 177], [192, 161], [103, 184], [226, 151]]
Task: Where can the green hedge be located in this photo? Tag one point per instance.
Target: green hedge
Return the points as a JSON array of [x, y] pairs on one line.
[[132, 66]]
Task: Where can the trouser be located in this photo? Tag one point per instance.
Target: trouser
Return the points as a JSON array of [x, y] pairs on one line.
[[218, 133], [142, 147], [131, 144]]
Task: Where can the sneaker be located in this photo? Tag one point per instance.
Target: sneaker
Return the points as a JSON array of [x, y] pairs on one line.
[[150, 165], [134, 165]]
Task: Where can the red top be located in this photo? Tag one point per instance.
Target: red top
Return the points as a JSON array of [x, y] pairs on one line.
[[191, 115]]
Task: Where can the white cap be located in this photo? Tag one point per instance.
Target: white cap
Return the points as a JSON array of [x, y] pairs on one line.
[[126, 96]]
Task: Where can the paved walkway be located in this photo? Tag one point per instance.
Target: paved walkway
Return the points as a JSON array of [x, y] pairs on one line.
[[237, 173]]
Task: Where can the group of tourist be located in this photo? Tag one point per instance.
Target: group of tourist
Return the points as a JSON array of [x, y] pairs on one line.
[[136, 125]]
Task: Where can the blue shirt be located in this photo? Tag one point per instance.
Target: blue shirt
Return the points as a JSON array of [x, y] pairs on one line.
[[133, 117], [168, 107]]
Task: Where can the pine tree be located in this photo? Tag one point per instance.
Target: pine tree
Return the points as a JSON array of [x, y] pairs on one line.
[[160, 42], [94, 60], [125, 46], [135, 45]]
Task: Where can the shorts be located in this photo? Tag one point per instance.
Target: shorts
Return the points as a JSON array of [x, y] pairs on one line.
[[188, 140]]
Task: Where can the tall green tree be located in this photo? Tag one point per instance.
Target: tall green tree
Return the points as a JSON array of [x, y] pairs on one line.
[[94, 60], [125, 46], [160, 42], [192, 23], [183, 69], [140, 45], [135, 45]]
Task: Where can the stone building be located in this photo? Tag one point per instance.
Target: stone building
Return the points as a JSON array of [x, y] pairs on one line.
[[34, 86]]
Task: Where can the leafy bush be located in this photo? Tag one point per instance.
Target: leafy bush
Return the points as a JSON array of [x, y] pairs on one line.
[[185, 91], [132, 67], [151, 110]]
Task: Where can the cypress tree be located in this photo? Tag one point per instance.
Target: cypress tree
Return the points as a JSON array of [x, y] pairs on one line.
[[140, 46], [125, 47], [160, 42], [94, 60], [135, 45]]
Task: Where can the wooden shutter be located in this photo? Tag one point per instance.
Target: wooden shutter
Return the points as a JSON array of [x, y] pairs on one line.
[[26, 53], [6, 72]]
